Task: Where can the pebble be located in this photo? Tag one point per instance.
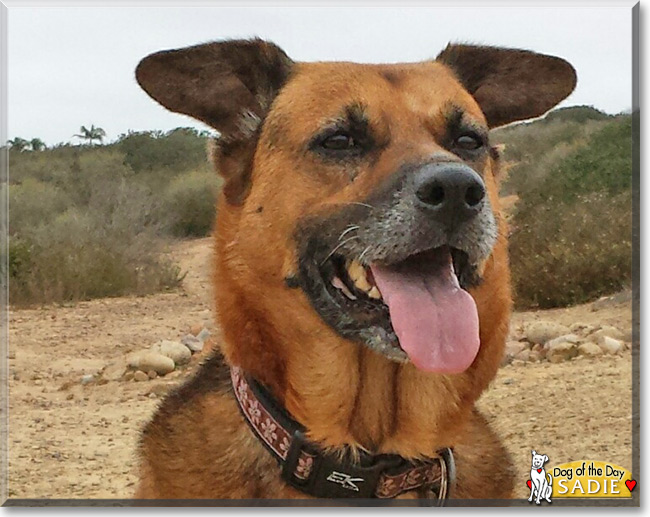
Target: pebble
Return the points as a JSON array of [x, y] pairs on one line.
[[607, 331], [152, 361], [87, 379], [590, 350], [543, 331], [567, 338], [193, 343], [524, 355], [115, 371], [204, 334], [175, 350], [151, 374], [514, 347], [610, 345], [560, 352], [140, 376]]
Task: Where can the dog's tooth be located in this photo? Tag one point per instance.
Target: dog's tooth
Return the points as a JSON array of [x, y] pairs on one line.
[[338, 283], [374, 293], [355, 270]]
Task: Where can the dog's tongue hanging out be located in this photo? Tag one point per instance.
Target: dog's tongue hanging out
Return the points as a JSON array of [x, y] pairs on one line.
[[435, 320]]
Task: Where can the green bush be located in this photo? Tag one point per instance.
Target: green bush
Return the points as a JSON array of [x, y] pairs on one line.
[[571, 239], [34, 203], [188, 204]]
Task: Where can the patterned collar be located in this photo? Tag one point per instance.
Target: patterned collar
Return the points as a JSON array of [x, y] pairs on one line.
[[310, 469]]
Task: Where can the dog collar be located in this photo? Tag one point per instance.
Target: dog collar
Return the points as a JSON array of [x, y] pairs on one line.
[[310, 469]]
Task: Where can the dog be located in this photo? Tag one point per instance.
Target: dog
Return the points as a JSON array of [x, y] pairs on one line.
[[541, 486], [361, 273]]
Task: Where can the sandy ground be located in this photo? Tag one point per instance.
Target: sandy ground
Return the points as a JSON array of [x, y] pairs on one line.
[[68, 440]]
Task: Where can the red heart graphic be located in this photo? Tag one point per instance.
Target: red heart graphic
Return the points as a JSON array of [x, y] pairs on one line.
[[529, 483], [630, 484], [539, 470]]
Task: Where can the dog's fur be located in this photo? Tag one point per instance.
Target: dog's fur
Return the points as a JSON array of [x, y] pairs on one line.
[[267, 109]]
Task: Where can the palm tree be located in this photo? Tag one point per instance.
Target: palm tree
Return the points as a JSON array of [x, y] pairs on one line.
[[94, 133], [37, 144], [19, 144]]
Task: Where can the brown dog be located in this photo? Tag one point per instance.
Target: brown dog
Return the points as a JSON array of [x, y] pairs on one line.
[[361, 269]]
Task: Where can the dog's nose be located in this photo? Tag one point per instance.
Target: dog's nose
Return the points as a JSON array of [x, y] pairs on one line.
[[452, 192]]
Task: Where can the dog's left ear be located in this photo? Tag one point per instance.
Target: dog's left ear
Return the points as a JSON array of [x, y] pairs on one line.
[[508, 84], [545, 458]]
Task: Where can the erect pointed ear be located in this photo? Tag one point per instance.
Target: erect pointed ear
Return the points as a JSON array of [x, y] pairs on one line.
[[510, 84], [534, 452], [228, 85], [545, 458], [217, 83]]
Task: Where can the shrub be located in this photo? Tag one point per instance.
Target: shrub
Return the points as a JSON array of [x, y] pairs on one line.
[[34, 203], [571, 239], [78, 257], [188, 204]]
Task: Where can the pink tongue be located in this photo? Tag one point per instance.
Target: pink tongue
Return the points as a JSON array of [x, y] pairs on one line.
[[435, 320]]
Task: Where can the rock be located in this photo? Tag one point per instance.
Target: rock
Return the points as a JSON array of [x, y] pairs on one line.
[[506, 360], [518, 362], [543, 331], [153, 361], [115, 371], [87, 379], [196, 329], [128, 376], [151, 374], [590, 350], [514, 347], [176, 351], [193, 343], [610, 345], [524, 355], [534, 357], [567, 338], [561, 351], [507, 381], [609, 331], [538, 348], [160, 389], [583, 329], [140, 376], [627, 335], [204, 334]]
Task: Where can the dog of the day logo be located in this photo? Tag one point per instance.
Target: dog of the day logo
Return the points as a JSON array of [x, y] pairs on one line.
[[577, 479]]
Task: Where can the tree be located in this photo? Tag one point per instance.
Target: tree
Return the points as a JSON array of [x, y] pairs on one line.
[[92, 134], [19, 144], [36, 144]]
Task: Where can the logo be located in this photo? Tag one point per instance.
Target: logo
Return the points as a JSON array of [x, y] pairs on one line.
[[344, 480], [593, 479], [540, 483]]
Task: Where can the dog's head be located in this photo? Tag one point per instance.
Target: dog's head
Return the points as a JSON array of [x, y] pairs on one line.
[[360, 203], [539, 460]]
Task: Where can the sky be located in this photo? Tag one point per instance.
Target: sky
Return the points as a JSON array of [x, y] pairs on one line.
[[73, 66]]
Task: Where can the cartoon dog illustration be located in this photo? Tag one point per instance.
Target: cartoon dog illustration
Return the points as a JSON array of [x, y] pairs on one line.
[[541, 487]]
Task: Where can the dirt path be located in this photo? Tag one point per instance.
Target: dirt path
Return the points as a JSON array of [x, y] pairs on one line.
[[68, 440]]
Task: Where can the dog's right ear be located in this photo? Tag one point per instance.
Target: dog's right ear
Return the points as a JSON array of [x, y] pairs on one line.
[[228, 85], [534, 452]]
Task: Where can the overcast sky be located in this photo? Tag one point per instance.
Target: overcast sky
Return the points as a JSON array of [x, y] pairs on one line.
[[72, 66]]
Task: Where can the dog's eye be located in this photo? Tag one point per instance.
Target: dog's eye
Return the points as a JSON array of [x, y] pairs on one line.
[[338, 142], [468, 142]]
